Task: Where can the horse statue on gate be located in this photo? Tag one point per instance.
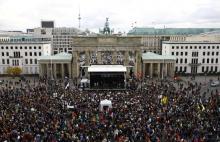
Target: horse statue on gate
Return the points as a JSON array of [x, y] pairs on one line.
[[106, 30]]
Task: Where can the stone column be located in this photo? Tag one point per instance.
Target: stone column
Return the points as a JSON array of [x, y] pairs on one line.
[[114, 57], [169, 69], [87, 58], [158, 69], [75, 64], [48, 72], [165, 69], [55, 70], [62, 70], [138, 62], [126, 58], [172, 70], [144, 70], [99, 58], [151, 69], [69, 70], [40, 69]]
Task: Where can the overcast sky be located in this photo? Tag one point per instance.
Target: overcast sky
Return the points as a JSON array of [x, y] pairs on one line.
[[23, 14]]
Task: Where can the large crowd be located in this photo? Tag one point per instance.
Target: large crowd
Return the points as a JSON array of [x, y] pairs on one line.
[[158, 112]]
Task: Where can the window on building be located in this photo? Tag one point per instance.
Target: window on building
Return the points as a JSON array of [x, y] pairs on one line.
[[16, 47], [186, 53], [39, 47], [25, 47], [186, 61], [2, 47], [199, 47], [181, 61], [216, 60], [195, 47], [35, 53], [217, 47], [181, 47], [55, 52], [213, 53], [26, 61], [181, 68], [190, 47], [172, 53], [208, 53], [6, 47], [208, 47], [212, 60], [202, 69], [35, 61], [11, 47], [181, 53], [207, 61], [203, 60], [186, 47], [177, 61], [217, 53], [30, 47], [213, 47], [176, 69], [34, 47], [211, 68], [204, 47], [39, 53], [7, 53], [207, 69], [216, 69], [3, 61], [8, 61], [3, 54], [177, 53], [30, 53], [20, 47], [31, 61], [203, 53], [25, 53]]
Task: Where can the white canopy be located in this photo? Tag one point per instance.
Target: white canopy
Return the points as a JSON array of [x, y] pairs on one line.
[[105, 102], [107, 68], [84, 80]]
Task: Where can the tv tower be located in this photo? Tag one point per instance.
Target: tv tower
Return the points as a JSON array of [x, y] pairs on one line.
[[79, 18]]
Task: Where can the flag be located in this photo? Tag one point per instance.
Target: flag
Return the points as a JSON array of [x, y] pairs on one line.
[[68, 84], [164, 100]]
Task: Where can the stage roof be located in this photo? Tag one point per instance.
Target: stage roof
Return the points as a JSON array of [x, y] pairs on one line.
[[107, 68]]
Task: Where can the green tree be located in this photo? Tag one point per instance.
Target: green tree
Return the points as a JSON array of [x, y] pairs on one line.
[[9, 70], [14, 71]]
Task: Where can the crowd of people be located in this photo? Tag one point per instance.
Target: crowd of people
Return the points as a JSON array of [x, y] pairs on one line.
[[158, 112]]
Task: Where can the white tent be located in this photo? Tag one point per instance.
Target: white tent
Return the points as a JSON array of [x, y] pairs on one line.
[[105, 103], [84, 80]]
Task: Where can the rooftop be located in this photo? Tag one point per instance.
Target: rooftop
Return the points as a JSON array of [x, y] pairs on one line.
[[61, 56], [153, 56], [170, 31]]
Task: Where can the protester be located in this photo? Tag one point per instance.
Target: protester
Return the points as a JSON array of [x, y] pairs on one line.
[[160, 111]]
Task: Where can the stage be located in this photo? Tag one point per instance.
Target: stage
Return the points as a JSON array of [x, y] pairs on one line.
[[107, 77]]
